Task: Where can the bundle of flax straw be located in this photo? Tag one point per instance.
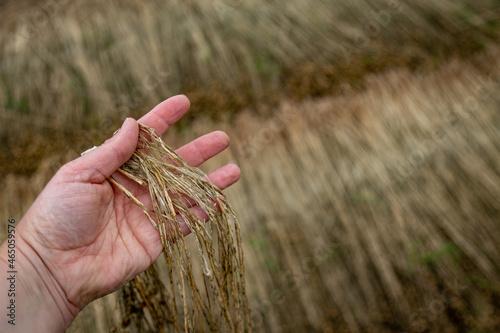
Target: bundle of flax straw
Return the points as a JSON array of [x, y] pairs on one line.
[[177, 192]]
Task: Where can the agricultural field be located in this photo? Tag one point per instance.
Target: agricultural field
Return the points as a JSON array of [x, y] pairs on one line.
[[368, 134]]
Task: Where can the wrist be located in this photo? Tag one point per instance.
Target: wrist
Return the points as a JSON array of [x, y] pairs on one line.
[[40, 303]]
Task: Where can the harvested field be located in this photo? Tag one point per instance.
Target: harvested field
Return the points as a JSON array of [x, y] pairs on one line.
[[71, 71], [370, 206], [376, 211]]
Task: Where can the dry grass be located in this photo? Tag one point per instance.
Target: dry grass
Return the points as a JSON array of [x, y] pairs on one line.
[[388, 207], [375, 210], [77, 67], [388, 210], [176, 189]]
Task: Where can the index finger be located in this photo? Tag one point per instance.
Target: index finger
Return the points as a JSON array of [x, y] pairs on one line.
[[166, 114]]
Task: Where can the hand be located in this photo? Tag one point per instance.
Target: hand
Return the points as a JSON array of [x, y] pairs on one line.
[[82, 236]]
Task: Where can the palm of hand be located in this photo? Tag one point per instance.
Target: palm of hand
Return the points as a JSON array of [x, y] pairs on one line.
[[106, 243]]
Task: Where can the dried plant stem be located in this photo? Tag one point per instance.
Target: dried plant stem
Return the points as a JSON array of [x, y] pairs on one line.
[[175, 188]]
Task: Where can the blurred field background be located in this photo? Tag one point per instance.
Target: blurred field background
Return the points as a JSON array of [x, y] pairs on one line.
[[368, 134]]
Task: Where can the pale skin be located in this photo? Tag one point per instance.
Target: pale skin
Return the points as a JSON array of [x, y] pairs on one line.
[[82, 238]]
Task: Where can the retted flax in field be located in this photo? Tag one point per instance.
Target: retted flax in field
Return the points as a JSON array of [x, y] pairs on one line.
[[177, 192]]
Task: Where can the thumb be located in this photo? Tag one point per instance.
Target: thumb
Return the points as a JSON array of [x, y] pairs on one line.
[[99, 163]]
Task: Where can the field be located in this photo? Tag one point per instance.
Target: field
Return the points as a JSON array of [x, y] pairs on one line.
[[368, 135]]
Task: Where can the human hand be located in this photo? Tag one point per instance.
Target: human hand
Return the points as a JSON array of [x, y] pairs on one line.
[[82, 236]]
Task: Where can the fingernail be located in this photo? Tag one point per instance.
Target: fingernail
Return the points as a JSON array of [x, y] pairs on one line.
[[128, 119]]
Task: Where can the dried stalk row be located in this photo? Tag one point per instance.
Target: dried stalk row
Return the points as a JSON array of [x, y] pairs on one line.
[[146, 292], [178, 191]]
